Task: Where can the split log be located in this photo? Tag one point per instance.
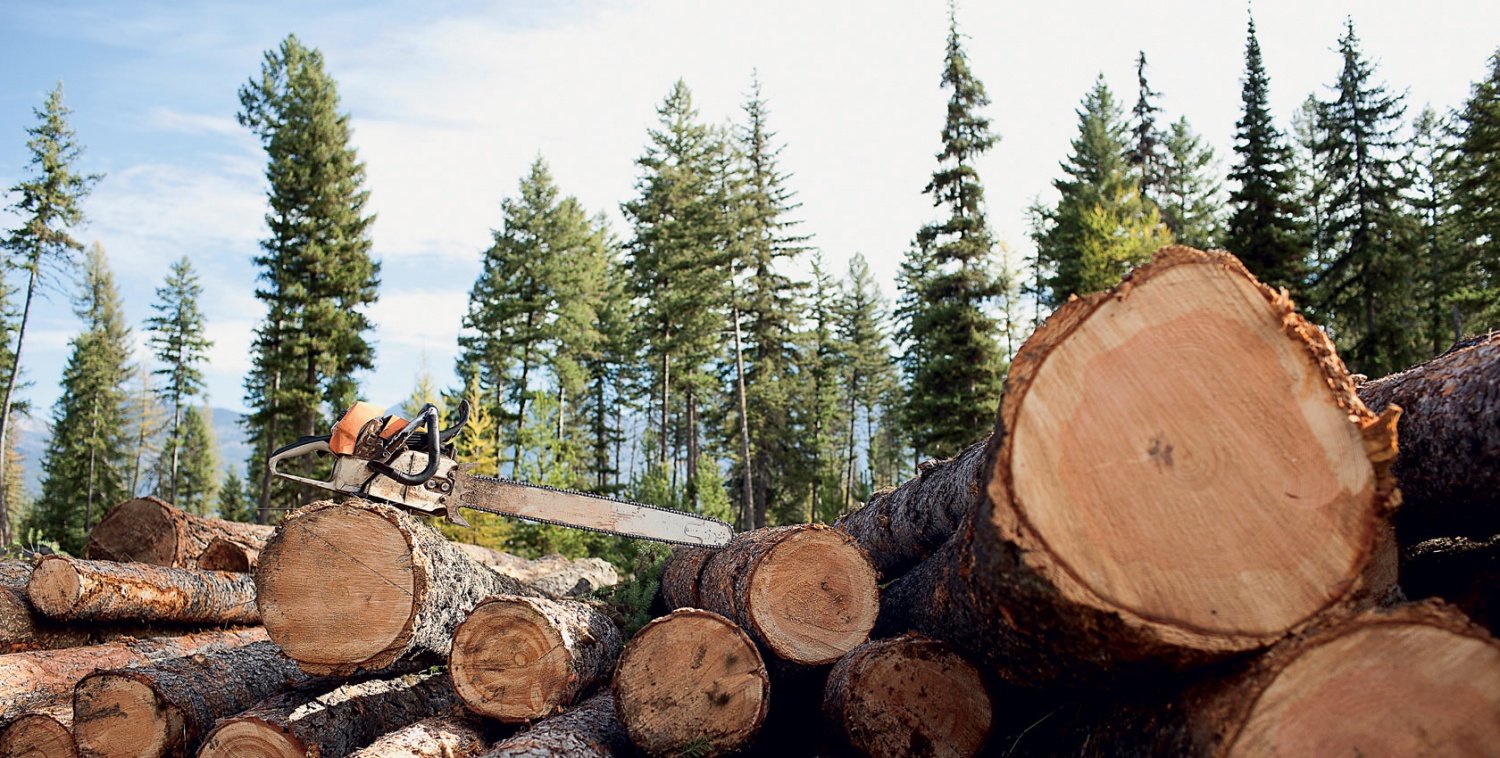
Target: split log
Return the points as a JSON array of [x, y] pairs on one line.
[[680, 577], [806, 592], [149, 530], [445, 736], [223, 554], [43, 733], [333, 723], [1449, 468], [1461, 571], [78, 590], [522, 658], [47, 676], [590, 730], [1181, 472], [550, 573], [352, 586], [908, 695], [691, 678], [166, 709]]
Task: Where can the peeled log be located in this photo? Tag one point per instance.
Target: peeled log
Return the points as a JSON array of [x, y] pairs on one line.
[[149, 530], [166, 709], [691, 678], [908, 695], [590, 730], [447, 736], [353, 586], [331, 724], [76, 590], [47, 676], [550, 573], [1188, 475], [229, 555], [43, 733], [522, 658], [1449, 468]]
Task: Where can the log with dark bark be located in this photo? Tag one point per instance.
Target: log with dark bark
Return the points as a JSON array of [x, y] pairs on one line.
[[78, 590], [46, 677], [167, 708], [352, 586], [149, 530], [523, 658], [907, 695], [43, 733], [333, 723], [680, 577], [1187, 475], [223, 554], [691, 679], [1461, 571], [22, 628], [451, 735], [1449, 468], [589, 730]]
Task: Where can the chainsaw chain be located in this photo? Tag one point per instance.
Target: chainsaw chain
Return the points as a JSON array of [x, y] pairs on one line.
[[465, 502]]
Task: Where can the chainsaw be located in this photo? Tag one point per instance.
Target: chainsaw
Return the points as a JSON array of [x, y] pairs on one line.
[[411, 465]]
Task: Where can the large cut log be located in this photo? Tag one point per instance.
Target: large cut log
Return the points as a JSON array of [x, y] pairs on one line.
[[334, 723], [523, 658], [681, 575], [78, 590], [353, 586], [43, 733], [47, 676], [223, 554], [590, 730], [148, 530], [166, 709], [452, 735], [550, 573], [22, 628], [907, 695], [1181, 472], [1449, 468], [806, 592], [691, 678], [1461, 571]]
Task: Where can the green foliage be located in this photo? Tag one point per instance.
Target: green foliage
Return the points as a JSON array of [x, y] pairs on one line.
[[1116, 236], [198, 464], [822, 407], [1443, 279], [1151, 154], [178, 342], [868, 372], [1189, 197], [1475, 177], [632, 602], [235, 503]]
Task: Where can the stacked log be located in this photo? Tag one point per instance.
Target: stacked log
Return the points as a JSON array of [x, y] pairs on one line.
[[550, 573], [591, 730], [450, 735], [42, 733], [78, 590], [21, 627], [224, 554], [150, 530]]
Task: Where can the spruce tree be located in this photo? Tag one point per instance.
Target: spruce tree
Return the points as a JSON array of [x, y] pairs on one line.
[[869, 372], [1311, 186], [1189, 197], [609, 366], [1475, 175], [178, 342], [198, 465], [146, 417], [317, 276], [1150, 154], [235, 502], [821, 407], [1432, 199]]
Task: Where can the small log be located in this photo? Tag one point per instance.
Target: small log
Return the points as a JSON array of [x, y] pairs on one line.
[[336, 722], [908, 695], [680, 577], [590, 730], [1461, 571], [451, 735], [522, 658], [224, 554], [166, 709], [691, 678], [550, 573], [78, 590], [360, 586], [43, 733], [149, 530], [21, 627], [47, 676]]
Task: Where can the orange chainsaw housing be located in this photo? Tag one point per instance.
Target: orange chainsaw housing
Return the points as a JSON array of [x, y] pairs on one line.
[[346, 431]]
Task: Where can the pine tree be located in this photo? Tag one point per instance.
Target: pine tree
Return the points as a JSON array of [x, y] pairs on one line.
[[84, 469], [608, 367], [198, 464], [49, 205], [1189, 198], [1150, 155], [318, 278], [1475, 171], [869, 372], [146, 417], [822, 408], [235, 503], [1311, 186], [178, 342], [1432, 198]]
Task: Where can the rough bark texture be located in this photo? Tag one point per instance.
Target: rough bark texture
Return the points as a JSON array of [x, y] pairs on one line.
[[1449, 468], [167, 708], [149, 530], [334, 723], [907, 695], [1464, 572], [1000, 594], [590, 730], [900, 527], [223, 554], [680, 577], [76, 590], [44, 733], [551, 573], [353, 586], [523, 658], [21, 627], [451, 735], [48, 676]]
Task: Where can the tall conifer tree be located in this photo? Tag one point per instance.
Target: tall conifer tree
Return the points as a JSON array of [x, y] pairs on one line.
[[869, 373], [1149, 155], [1189, 198], [178, 341], [1432, 199], [1475, 172]]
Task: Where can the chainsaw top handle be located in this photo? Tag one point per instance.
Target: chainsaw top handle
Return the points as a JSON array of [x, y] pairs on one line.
[[426, 418]]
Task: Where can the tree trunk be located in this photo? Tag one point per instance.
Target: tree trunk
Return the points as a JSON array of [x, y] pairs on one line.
[[519, 658], [445, 736], [22, 628], [1187, 476], [77, 590], [550, 573], [43, 733], [8, 407], [747, 488], [47, 676], [334, 723], [149, 530], [692, 451], [1459, 570], [849, 449], [515, 465], [680, 577], [353, 586], [691, 680], [1449, 468], [166, 709], [229, 555], [907, 695], [591, 730]]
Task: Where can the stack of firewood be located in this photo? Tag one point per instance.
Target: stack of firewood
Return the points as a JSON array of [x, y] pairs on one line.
[[1183, 537]]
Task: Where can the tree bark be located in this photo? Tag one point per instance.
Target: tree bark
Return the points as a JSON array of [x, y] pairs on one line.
[[22, 628], [223, 554], [43, 733], [1449, 468], [445, 736], [550, 573], [680, 577], [47, 676], [590, 730], [1459, 570], [76, 590], [691, 680], [359, 586], [333, 723], [521, 658], [167, 708], [1180, 473], [149, 530]]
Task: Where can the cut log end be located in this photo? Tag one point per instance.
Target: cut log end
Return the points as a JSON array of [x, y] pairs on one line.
[[252, 738], [38, 735], [515, 676], [228, 555], [141, 530], [119, 716], [909, 696], [814, 597], [55, 587]]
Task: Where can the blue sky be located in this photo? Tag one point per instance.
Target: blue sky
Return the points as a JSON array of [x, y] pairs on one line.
[[451, 101]]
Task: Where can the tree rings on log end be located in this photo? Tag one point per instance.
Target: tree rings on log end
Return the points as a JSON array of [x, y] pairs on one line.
[[139, 530], [519, 674], [813, 597], [55, 587], [119, 716], [252, 738], [38, 735], [909, 696]]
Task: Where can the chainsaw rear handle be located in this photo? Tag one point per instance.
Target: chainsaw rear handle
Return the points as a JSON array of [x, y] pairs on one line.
[[304, 446]]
